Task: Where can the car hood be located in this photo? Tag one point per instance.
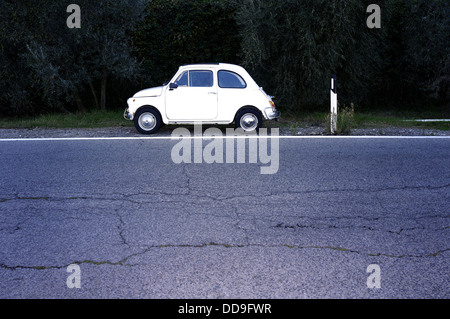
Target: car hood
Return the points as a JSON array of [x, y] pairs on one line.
[[156, 91]]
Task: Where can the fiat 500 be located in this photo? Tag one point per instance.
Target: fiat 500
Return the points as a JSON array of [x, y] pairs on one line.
[[203, 93]]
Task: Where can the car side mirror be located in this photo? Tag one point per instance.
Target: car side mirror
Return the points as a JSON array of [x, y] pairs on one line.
[[173, 86]]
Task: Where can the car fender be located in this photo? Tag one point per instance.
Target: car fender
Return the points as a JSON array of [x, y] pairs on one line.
[[157, 102]]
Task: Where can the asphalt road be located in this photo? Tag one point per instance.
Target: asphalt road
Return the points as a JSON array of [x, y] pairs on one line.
[[138, 225]]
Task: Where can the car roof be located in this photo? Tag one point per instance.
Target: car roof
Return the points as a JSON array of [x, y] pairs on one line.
[[224, 65]]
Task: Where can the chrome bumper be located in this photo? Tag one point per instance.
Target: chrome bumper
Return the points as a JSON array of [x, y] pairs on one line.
[[272, 115], [127, 115]]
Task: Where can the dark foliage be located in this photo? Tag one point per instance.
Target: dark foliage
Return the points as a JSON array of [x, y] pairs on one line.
[[181, 32], [290, 47]]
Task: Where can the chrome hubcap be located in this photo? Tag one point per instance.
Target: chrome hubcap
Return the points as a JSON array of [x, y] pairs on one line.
[[147, 121], [249, 122]]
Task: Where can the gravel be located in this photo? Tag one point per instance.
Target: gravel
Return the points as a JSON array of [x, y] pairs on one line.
[[167, 131]]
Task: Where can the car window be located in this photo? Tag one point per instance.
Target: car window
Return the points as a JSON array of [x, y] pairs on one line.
[[183, 79], [228, 79], [195, 79], [200, 78]]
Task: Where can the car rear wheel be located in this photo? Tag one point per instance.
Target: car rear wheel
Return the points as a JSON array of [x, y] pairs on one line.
[[249, 120], [147, 120]]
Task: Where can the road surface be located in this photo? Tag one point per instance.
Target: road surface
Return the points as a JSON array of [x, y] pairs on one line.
[[339, 218]]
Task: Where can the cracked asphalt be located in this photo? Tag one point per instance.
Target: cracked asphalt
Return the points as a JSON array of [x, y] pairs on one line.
[[140, 226]]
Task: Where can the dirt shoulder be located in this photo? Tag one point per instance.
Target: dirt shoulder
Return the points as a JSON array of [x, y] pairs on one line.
[[167, 131]]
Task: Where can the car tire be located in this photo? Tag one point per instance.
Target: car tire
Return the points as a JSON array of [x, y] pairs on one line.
[[147, 120], [248, 119]]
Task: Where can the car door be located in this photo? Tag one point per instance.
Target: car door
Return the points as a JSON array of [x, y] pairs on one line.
[[194, 98]]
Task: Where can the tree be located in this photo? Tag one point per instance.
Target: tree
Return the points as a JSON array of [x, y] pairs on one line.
[[19, 26], [294, 46], [417, 53], [180, 32], [61, 62], [291, 47], [106, 41]]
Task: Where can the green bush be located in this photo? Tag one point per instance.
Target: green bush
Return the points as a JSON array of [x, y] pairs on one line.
[[345, 120]]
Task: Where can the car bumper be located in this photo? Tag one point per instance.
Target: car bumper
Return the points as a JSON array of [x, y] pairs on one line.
[[271, 114], [127, 115]]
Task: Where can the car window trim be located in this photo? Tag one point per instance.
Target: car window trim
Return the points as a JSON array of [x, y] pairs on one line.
[[200, 70], [218, 83]]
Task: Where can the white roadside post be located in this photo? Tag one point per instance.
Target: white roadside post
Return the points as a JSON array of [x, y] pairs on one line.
[[333, 100]]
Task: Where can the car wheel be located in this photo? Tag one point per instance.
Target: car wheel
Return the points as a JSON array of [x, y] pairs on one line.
[[147, 120], [249, 120]]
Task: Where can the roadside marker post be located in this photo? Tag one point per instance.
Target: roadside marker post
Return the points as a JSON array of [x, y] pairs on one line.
[[333, 100]]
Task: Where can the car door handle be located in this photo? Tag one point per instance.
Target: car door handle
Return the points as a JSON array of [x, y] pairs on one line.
[[212, 92]]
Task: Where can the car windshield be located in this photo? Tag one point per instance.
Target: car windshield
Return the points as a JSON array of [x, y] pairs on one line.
[[182, 80]]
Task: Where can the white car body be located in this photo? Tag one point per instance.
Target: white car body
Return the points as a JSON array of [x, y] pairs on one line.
[[194, 95]]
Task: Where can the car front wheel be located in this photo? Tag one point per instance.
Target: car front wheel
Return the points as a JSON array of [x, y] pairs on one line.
[[249, 120], [147, 120]]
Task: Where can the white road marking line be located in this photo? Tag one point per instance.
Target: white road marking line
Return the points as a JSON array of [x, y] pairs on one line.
[[215, 137]]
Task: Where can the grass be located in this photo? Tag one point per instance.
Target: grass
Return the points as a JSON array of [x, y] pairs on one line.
[[345, 120], [94, 119], [380, 120], [375, 119], [99, 119]]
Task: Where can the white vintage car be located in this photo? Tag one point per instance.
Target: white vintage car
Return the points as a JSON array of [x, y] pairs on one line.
[[216, 93]]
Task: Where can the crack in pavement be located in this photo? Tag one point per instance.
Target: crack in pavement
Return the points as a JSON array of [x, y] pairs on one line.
[[123, 262], [189, 194], [365, 227], [127, 197]]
